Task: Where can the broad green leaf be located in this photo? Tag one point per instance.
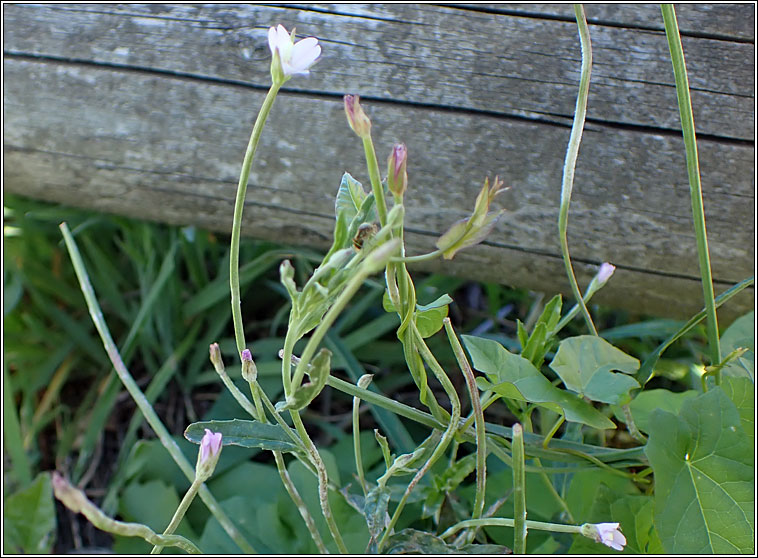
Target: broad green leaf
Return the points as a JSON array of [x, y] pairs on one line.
[[647, 402], [430, 316], [635, 515], [152, 504], [742, 393], [515, 377], [740, 334], [29, 519], [585, 365], [704, 478], [245, 433]]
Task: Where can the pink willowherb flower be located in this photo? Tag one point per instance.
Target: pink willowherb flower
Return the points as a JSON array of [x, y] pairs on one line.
[[608, 534]]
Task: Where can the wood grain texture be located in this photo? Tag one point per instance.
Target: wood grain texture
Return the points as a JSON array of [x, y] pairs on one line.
[[145, 110]]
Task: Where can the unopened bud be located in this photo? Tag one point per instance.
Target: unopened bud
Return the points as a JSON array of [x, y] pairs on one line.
[[216, 360], [249, 370], [207, 457], [605, 272], [357, 119], [397, 177], [365, 380]]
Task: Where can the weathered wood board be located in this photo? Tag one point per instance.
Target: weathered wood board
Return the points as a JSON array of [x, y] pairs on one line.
[[145, 110]]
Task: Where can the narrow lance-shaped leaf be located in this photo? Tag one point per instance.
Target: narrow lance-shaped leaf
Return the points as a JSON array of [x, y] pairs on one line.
[[244, 433]]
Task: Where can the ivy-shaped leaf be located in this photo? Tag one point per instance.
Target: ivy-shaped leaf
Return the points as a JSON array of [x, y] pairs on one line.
[[740, 334], [585, 362], [704, 478], [515, 377], [350, 196]]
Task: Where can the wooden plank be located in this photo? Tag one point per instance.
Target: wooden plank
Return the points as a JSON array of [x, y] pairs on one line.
[[168, 148], [728, 21], [523, 67]]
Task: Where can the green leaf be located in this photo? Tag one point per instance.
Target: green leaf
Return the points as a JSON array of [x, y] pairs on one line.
[[318, 371], [412, 541], [430, 316], [703, 464], [647, 402], [245, 433], [523, 336], [584, 363], [742, 393], [350, 196], [29, 519], [515, 377], [740, 334], [382, 441], [375, 510]]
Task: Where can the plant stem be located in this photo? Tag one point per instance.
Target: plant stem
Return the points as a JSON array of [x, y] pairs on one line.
[[478, 413], [139, 398], [323, 482], [448, 435], [239, 205], [553, 430], [519, 491], [693, 173], [179, 513], [376, 179], [506, 522], [646, 370], [572, 153]]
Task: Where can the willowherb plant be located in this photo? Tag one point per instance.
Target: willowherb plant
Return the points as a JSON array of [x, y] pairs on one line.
[[368, 239]]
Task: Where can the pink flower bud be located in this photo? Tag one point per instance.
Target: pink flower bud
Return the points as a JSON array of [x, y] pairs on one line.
[[249, 370], [397, 177], [357, 119], [605, 272], [210, 446]]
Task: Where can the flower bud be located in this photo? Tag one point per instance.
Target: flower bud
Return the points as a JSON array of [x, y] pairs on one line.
[[216, 360], [397, 177], [249, 370], [605, 272], [357, 119], [207, 457]]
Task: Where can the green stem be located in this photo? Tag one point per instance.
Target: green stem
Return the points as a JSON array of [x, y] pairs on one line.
[[519, 491], [323, 482], [419, 258], [693, 173], [239, 205], [289, 486], [553, 430], [139, 398], [179, 513], [363, 382], [572, 152], [376, 180], [478, 413], [632, 426], [646, 370], [506, 522], [447, 437]]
